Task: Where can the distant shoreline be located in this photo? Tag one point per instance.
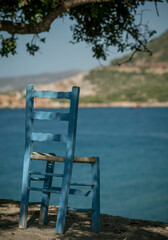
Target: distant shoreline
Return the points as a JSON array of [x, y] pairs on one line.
[[16, 102], [124, 104], [21, 105]]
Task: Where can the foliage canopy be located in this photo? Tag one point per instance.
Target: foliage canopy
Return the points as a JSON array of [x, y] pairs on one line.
[[100, 23]]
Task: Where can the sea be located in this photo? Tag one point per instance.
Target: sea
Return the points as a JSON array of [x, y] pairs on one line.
[[132, 144]]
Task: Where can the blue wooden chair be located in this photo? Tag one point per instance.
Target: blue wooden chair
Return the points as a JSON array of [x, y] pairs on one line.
[[68, 160]]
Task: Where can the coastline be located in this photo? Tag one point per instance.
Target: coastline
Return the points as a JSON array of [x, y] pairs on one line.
[[18, 102], [78, 226], [125, 104], [52, 104]]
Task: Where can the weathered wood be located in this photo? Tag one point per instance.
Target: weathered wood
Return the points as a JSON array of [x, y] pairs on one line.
[[37, 179], [52, 157], [68, 161], [46, 195], [46, 174], [42, 115], [83, 184], [48, 137], [96, 196], [57, 190], [51, 94], [70, 209], [26, 165]]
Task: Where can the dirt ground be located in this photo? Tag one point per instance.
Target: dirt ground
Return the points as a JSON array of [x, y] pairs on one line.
[[78, 226]]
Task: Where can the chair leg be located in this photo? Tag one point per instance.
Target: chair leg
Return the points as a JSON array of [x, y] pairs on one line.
[[64, 198], [24, 208], [46, 196], [25, 194], [96, 197]]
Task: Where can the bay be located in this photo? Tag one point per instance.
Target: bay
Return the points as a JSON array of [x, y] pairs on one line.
[[133, 148]]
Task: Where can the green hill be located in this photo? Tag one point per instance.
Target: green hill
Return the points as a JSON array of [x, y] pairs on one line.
[[145, 79], [159, 48]]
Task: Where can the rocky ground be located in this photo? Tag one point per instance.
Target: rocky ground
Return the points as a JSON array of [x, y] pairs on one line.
[[78, 226]]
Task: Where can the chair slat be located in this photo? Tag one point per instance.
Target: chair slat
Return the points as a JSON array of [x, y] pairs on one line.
[[84, 193], [79, 209], [46, 174], [48, 137], [51, 94], [56, 190], [82, 184], [37, 179], [79, 192], [42, 115]]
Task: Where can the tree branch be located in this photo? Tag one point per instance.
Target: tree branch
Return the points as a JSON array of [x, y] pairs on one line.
[[32, 28], [75, 3], [43, 26]]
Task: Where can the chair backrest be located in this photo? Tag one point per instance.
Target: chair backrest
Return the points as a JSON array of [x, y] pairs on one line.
[[71, 117]]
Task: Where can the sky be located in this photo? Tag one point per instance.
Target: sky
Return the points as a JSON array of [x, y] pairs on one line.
[[58, 54]]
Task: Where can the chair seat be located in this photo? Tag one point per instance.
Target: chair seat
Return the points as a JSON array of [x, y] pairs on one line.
[[53, 158]]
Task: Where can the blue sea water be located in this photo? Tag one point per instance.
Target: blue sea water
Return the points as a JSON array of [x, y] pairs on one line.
[[133, 148]]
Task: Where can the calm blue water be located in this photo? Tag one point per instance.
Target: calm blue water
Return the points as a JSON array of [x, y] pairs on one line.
[[133, 149]]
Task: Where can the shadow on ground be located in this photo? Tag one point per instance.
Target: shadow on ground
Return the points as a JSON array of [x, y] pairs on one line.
[[78, 226]]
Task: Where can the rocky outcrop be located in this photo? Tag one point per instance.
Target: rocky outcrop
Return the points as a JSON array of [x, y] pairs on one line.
[[17, 99], [65, 85]]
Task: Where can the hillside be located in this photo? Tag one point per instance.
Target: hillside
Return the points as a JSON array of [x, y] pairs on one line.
[[159, 48], [18, 83], [145, 79], [141, 82], [16, 98]]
